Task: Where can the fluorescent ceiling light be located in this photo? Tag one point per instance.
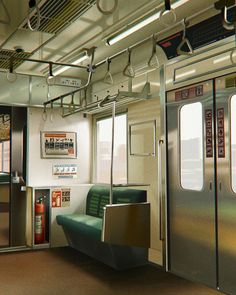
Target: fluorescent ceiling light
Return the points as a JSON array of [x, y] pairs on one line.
[[133, 29], [83, 57], [185, 74], [220, 59], [140, 24]]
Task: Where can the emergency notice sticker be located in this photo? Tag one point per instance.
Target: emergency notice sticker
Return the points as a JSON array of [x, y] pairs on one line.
[[221, 133], [209, 140]]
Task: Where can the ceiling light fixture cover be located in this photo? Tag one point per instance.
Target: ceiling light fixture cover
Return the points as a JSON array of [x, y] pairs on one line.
[[133, 28], [142, 23], [82, 57]]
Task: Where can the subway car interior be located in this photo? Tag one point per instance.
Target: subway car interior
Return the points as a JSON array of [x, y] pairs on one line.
[[117, 147]]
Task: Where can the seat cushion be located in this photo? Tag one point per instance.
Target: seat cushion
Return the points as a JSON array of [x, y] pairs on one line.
[[85, 224]]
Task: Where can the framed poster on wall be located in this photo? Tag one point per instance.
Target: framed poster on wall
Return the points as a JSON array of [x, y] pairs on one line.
[[58, 145]]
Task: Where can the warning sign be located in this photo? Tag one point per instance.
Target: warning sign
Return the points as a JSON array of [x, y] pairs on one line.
[[221, 133], [209, 141]]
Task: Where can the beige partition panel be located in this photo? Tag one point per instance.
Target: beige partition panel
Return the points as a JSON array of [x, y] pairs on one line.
[[127, 224]]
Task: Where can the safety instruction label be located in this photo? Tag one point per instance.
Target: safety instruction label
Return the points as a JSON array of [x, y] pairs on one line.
[[189, 93], [56, 198], [209, 140], [65, 197], [221, 133]]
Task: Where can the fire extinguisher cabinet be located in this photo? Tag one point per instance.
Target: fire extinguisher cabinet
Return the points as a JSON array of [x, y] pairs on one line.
[[41, 218]]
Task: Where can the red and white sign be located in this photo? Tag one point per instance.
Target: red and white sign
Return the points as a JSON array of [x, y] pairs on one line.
[[221, 133], [189, 93]]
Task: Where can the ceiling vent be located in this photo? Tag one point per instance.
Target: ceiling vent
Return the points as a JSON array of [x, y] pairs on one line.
[[56, 15], [5, 56]]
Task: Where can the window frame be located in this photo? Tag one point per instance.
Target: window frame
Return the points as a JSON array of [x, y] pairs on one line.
[[94, 150], [2, 143]]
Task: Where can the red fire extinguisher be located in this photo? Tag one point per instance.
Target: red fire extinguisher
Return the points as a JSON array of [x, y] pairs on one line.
[[39, 231]]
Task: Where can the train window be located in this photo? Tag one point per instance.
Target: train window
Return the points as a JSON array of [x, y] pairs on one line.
[[191, 146], [5, 156], [233, 142], [103, 150]]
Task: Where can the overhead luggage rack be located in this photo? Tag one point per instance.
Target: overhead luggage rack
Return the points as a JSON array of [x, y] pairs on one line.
[[121, 98]]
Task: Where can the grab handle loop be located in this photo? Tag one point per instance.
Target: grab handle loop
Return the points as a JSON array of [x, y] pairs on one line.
[[167, 10], [51, 114], [62, 107], [38, 20], [84, 99], [128, 70], [11, 76], [153, 61], [44, 113], [185, 42], [108, 76], [72, 104], [106, 12], [223, 6], [226, 23]]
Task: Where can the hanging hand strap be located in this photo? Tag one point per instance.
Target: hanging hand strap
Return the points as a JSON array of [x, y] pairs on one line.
[[223, 6], [167, 5], [128, 70], [108, 77], [153, 61], [185, 42]]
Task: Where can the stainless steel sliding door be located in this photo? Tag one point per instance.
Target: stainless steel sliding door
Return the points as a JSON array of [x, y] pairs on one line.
[[191, 183]]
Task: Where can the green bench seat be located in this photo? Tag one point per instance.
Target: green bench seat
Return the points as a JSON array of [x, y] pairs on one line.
[[82, 224], [90, 224], [84, 231]]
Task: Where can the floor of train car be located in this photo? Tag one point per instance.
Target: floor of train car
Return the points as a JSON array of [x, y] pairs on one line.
[[68, 272]]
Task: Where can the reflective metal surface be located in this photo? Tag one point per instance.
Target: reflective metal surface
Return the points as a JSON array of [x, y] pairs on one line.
[[192, 247], [226, 196], [18, 166]]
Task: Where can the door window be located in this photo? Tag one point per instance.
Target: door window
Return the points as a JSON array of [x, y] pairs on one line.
[[233, 142], [191, 146]]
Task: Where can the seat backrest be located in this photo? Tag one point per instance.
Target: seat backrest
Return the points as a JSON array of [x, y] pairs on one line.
[[98, 198]]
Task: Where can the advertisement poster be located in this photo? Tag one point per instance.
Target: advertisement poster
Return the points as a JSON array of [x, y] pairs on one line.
[[58, 144], [56, 198], [65, 171]]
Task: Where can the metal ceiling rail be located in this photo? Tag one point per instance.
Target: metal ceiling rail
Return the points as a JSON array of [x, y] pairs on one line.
[[90, 69], [43, 61], [176, 25], [180, 23]]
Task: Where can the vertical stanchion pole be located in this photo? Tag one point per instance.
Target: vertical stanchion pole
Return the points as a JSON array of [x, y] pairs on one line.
[[112, 150]]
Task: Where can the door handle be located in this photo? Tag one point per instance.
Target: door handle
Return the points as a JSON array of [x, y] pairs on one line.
[[220, 186], [160, 197], [210, 186]]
